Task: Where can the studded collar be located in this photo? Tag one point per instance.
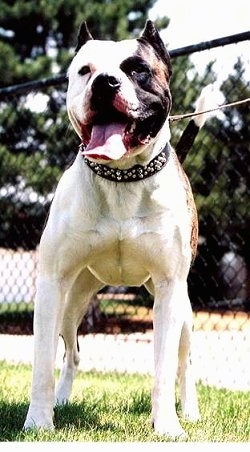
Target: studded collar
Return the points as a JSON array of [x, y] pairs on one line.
[[133, 174]]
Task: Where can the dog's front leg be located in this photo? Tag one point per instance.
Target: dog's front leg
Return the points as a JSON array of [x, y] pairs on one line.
[[168, 322], [47, 319], [83, 289]]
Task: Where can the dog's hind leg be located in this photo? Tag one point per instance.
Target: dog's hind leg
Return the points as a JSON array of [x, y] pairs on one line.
[[186, 375], [85, 286]]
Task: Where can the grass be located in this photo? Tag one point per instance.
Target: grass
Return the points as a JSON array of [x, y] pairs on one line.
[[115, 408]]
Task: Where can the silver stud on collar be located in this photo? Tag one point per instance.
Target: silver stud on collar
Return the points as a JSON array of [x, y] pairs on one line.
[[134, 174]]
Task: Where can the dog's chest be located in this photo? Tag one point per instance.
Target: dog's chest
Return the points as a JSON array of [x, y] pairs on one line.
[[123, 252], [133, 230], [118, 252], [119, 236]]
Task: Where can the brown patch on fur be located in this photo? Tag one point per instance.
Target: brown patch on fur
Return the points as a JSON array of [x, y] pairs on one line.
[[162, 70], [191, 207]]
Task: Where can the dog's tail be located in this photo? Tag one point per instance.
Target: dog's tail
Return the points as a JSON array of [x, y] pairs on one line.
[[205, 101]]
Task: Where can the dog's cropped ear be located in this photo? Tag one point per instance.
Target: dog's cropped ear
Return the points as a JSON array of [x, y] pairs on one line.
[[84, 35], [151, 35]]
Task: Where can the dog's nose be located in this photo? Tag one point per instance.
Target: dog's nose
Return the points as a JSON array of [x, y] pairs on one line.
[[113, 83], [104, 89], [105, 83]]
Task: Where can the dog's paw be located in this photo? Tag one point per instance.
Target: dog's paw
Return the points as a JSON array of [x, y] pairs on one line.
[[61, 400], [192, 415], [32, 424], [38, 420], [169, 427], [62, 395], [190, 411]]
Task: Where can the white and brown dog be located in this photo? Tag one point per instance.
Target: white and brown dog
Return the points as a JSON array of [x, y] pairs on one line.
[[123, 214]]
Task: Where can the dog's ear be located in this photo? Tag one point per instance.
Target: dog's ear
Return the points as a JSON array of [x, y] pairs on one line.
[[84, 35], [151, 35]]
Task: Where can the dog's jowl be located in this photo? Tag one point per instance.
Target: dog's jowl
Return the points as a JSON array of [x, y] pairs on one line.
[[123, 214]]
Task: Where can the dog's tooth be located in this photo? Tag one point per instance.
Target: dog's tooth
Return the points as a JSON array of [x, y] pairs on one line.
[[133, 126]]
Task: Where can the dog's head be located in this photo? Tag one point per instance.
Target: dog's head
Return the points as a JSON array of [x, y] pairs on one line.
[[118, 94]]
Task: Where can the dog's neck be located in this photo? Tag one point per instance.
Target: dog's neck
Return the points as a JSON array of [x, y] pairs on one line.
[[136, 172], [137, 166]]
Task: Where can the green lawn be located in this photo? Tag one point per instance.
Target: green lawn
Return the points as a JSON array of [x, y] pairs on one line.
[[114, 407]]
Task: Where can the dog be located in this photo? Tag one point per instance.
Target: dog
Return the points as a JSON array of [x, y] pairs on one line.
[[122, 214]]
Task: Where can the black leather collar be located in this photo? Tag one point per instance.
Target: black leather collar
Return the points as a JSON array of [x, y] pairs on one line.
[[134, 174]]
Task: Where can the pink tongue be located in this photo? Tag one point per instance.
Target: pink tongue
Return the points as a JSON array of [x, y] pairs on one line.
[[106, 141]]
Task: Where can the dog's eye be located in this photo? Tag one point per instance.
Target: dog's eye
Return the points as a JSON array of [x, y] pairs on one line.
[[140, 69], [84, 70], [136, 68], [140, 73]]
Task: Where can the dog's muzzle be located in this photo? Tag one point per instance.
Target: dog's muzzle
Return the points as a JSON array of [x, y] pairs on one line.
[[111, 119], [121, 121]]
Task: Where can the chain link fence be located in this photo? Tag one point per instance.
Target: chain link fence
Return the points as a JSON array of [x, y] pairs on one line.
[[37, 144]]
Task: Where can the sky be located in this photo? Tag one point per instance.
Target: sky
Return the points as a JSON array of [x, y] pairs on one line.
[[194, 21]]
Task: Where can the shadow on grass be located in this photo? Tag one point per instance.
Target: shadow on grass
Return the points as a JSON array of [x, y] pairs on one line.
[[72, 416], [12, 420], [72, 419], [76, 415], [69, 420]]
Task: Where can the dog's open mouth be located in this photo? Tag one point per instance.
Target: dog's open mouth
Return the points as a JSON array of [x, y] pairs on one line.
[[106, 141], [111, 138]]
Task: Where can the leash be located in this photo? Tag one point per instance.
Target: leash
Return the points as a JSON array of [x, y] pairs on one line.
[[220, 107]]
